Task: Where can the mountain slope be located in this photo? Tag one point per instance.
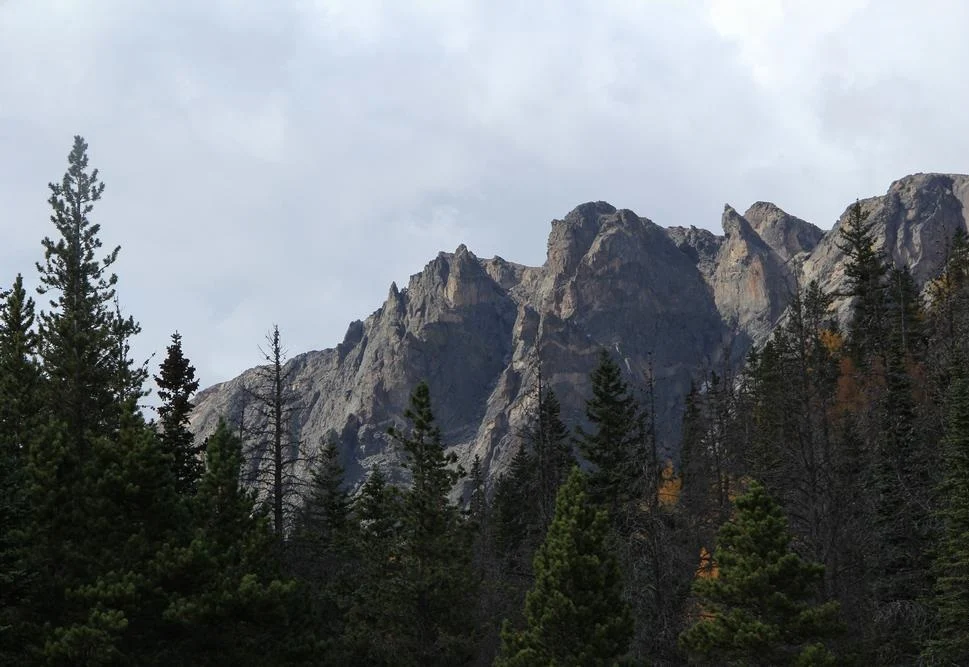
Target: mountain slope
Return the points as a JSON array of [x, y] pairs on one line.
[[666, 301]]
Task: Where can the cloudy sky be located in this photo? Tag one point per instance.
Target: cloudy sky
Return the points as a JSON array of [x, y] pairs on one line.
[[283, 162]]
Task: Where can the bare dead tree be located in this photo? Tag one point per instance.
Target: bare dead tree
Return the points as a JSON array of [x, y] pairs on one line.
[[274, 450]]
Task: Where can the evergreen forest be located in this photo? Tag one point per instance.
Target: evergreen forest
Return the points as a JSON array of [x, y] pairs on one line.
[[817, 513]]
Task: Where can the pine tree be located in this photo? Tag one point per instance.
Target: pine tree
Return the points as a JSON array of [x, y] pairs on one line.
[[19, 418], [376, 617], [436, 543], [575, 614], [866, 269], [112, 614], [616, 447], [320, 551], [176, 384], [760, 606], [548, 440], [88, 392], [19, 374], [950, 642], [82, 337], [228, 604], [515, 518]]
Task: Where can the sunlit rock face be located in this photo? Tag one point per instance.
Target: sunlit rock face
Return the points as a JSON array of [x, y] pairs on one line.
[[668, 302]]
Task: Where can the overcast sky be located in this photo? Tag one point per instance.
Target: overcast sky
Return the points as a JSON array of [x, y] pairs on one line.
[[283, 162]]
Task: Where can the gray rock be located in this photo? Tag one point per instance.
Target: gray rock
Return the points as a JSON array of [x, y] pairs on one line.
[[667, 302]]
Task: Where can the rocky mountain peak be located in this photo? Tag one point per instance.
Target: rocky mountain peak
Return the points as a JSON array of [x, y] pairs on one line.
[[665, 301], [786, 235], [750, 284], [572, 236]]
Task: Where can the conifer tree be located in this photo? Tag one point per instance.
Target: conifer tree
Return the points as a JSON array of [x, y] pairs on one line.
[[760, 607], [575, 614], [950, 642], [19, 373], [947, 316], [19, 418], [320, 551], [82, 338], [616, 446], [176, 384], [229, 604], [435, 547], [514, 515], [866, 269], [112, 611], [88, 391], [547, 439], [376, 617]]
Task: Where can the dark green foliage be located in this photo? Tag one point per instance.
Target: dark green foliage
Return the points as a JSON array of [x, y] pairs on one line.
[[83, 337], [19, 417], [377, 614], [176, 385], [228, 604], [547, 438], [435, 544], [761, 607], [326, 508], [947, 317], [950, 642], [574, 614], [515, 516], [906, 326], [19, 373], [617, 445], [113, 597], [866, 269], [320, 551], [415, 592]]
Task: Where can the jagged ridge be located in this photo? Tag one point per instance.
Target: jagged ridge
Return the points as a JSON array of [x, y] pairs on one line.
[[671, 300]]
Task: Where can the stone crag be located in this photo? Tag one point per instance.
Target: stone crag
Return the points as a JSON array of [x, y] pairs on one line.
[[667, 302]]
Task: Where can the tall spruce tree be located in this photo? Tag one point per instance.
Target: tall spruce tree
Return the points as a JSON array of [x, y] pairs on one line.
[[575, 614], [88, 390], [176, 384], [949, 644], [82, 335], [19, 418], [760, 606], [435, 548], [320, 550], [616, 446], [548, 440], [376, 617], [111, 614], [19, 373], [515, 519], [867, 269]]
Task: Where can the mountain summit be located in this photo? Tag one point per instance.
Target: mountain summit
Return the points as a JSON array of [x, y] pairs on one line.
[[668, 302]]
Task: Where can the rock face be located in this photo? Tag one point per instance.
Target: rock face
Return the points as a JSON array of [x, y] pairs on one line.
[[667, 302]]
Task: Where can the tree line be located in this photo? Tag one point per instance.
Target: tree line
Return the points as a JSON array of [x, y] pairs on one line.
[[816, 514]]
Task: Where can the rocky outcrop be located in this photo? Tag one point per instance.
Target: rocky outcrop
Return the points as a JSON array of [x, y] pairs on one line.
[[786, 235], [666, 302]]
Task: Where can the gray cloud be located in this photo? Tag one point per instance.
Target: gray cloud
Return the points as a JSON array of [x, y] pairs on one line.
[[283, 162]]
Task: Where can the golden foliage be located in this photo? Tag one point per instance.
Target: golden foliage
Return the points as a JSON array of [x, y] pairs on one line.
[[832, 341], [670, 486], [707, 569]]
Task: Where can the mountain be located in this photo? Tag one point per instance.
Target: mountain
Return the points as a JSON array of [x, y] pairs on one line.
[[667, 302]]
